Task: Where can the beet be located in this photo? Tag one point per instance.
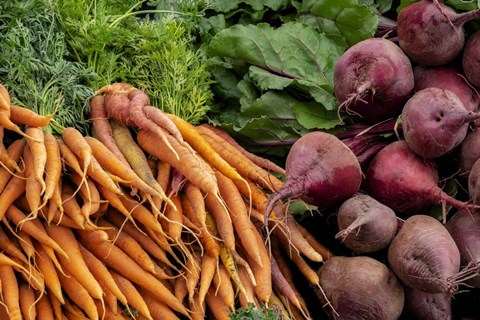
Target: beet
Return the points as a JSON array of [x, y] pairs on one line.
[[365, 224], [464, 227], [360, 288], [420, 305], [424, 256], [471, 59], [431, 33], [373, 79], [474, 182], [321, 170], [448, 77], [469, 151], [435, 121], [406, 182]]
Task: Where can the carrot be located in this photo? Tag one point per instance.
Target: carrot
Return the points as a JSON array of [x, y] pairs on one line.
[[180, 288], [33, 188], [141, 213], [71, 207], [5, 101], [158, 309], [53, 166], [21, 115], [6, 123], [245, 167], [164, 170], [26, 244], [68, 157], [102, 274], [224, 287], [75, 140], [73, 312], [197, 308], [320, 248], [196, 199], [136, 158], [39, 154], [193, 273], [75, 264], [146, 242], [119, 261], [47, 268], [229, 262], [56, 305], [208, 267], [27, 301], [111, 302], [79, 295], [13, 154], [276, 303], [240, 217], [10, 292], [259, 161], [8, 246], [44, 308], [245, 301], [102, 177], [108, 161], [88, 193], [102, 128], [134, 298], [192, 167], [218, 307], [163, 120], [128, 245]]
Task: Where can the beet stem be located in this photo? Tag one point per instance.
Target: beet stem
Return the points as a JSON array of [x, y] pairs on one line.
[[461, 18]]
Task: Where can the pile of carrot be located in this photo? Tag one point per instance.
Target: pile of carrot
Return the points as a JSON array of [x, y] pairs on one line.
[[138, 223]]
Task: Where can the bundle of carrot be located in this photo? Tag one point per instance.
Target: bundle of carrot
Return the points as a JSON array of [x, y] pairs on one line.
[[149, 218]]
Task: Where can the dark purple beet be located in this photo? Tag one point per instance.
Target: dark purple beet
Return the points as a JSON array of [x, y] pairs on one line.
[[474, 182], [435, 121], [431, 33], [469, 151], [360, 288], [471, 59], [405, 182], [373, 79], [464, 227], [448, 77], [365, 224], [321, 170], [420, 305]]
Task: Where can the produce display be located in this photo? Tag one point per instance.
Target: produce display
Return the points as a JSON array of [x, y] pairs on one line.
[[243, 160]]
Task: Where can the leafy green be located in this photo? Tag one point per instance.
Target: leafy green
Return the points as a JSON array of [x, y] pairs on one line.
[[462, 5], [34, 65], [252, 313]]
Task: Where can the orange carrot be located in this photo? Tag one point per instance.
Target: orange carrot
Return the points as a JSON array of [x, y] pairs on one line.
[[102, 128], [71, 207], [10, 292], [180, 288], [218, 307], [5, 101], [47, 268], [88, 193], [208, 268], [263, 273], [223, 286], [26, 244], [8, 246], [39, 154], [13, 154], [55, 304], [27, 301], [141, 213], [163, 174], [33, 188], [247, 299], [119, 261], [75, 140], [193, 273], [6, 123], [21, 115], [196, 199], [53, 166], [134, 298], [79, 295], [102, 177], [158, 309], [44, 308]]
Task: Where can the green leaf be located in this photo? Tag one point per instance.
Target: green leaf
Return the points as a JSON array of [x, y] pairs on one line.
[[314, 116], [257, 5], [346, 18], [380, 6]]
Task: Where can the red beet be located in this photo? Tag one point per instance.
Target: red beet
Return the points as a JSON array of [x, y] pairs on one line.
[[431, 33], [321, 170], [365, 224], [373, 79], [406, 182], [434, 121], [427, 306], [471, 59], [469, 151]]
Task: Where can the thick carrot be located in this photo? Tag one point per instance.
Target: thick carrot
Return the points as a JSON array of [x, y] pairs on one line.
[[71, 207], [13, 153], [180, 288], [39, 154], [102, 177], [158, 309], [33, 188], [128, 245], [102, 128], [53, 166], [134, 298], [75, 140], [192, 167], [6, 123], [245, 301], [10, 292], [218, 307], [108, 161], [79, 295], [5, 101], [102, 274], [259, 161], [223, 286], [27, 301], [164, 170], [196, 199], [20, 115], [119, 261], [240, 217], [44, 308], [47, 268], [75, 264], [208, 267], [88, 193]]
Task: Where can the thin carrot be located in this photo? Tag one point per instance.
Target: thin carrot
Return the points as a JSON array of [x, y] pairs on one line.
[[47, 268], [27, 301], [197, 308], [33, 188], [320, 248], [158, 309], [262, 162], [134, 298], [164, 170], [8, 246], [245, 301], [5, 100], [102, 128], [180, 288], [123, 264], [68, 157], [218, 307], [39, 154], [196, 198], [26, 244], [141, 213], [79, 295], [14, 152], [223, 286], [102, 177], [44, 308], [18, 217], [21, 115], [193, 273], [6, 123], [163, 120], [75, 264], [55, 304], [102, 274], [208, 267], [229, 262], [10, 292], [53, 166], [75, 140], [88, 193], [71, 207]]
